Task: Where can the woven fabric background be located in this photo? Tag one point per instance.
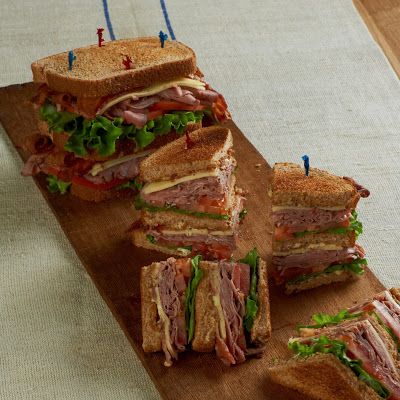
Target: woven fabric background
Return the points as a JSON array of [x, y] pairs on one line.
[[300, 77]]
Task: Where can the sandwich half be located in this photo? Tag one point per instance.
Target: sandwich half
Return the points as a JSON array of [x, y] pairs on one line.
[[315, 228], [189, 201], [351, 355], [206, 306], [99, 120], [352, 360]]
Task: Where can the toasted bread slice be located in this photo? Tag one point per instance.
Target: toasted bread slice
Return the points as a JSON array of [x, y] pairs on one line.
[[321, 377], [174, 160], [313, 241], [206, 315], [261, 330], [323, 279], [151, 331], [292, 188], [98, 71]]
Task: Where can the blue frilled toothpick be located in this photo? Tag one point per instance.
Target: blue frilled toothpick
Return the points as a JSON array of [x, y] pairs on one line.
[[163, 37], [71, 59], [306, 160]]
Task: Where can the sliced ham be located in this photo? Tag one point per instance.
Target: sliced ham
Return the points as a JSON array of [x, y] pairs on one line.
[[34, 164], [302, 219], [136, 118], [180, 95], [186, 195], [171, 298]]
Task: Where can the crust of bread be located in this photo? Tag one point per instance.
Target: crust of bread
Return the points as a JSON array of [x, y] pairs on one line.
[[342, 240], [292, 188], [174, 160], [98, 71], [261, 330], [324, 279], [395, 293], [206, 315], [150, 329], [321, 377], [139, 239]]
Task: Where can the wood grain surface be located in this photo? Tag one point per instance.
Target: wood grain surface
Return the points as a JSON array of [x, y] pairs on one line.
[[97, 232], [382, 18]]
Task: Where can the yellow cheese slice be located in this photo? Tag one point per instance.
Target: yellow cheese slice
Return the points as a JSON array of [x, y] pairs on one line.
[[161, 185], [315, 246], [217, 304], [98, 167], [157, 88], [196, 232]]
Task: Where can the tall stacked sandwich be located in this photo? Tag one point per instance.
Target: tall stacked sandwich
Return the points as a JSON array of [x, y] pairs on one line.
[[351, 355], [99, 119], [315, 228], [205, 306], [189, 202]]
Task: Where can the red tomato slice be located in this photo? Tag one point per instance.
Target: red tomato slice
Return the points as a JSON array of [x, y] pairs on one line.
[[165, 105], [79, 180], [154, 114], [211, 206]]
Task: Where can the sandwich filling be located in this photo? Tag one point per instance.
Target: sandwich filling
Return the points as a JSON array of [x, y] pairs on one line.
[[209, 194], [211, 245], [237, 305], [64, 168], [293, 223], [96, 124], [169, 296], [359, 346], [299, 267]]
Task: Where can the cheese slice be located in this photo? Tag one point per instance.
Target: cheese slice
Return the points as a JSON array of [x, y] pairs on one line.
[[157, 88], [222, 327], [161, 185], [165, 322], [314, 246], [98, 167], [197, 232]]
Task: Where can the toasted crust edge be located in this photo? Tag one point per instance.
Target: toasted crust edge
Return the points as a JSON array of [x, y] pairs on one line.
[[261, 330], [206, 316], [151, 333], [321, 280], [321, 377]]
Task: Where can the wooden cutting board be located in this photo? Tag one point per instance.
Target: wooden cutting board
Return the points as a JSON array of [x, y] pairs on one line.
[[382, 18], [98, 234]]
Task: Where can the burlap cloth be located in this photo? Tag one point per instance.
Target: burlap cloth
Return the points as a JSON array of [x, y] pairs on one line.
[[299, 76]]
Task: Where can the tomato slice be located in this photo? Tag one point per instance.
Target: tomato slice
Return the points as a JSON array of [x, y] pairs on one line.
[[212, 206], [79, 180], [165, 105], [154, 114]]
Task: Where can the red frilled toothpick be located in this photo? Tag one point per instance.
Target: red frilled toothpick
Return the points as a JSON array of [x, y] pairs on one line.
[[100, 35], [189, 142], [127, 61]]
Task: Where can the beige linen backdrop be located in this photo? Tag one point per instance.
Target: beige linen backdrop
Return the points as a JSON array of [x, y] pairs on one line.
[[300, 77]]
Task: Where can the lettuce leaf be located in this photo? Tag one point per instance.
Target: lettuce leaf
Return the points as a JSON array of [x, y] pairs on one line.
[[355, 226], [338, 348], [252, 299], [190, 295], [356, 266], [140, 204], [102, 133], [56, 185], [323, 320], [133, 184]]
